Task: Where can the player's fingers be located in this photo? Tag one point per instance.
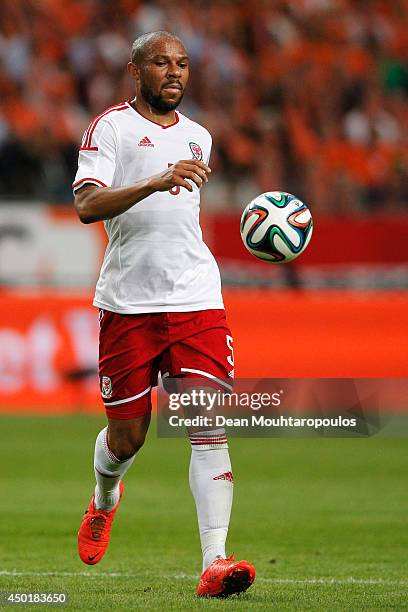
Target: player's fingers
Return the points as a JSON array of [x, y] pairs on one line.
[[187, 186], [196, 162], [194, 177], [180, 182], [197, 170], [183, 173]]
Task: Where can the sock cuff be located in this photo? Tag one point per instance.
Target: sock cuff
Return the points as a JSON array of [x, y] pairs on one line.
[[209, 440]]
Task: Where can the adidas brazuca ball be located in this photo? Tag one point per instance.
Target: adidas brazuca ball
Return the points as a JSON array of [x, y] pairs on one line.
[[276, 227]]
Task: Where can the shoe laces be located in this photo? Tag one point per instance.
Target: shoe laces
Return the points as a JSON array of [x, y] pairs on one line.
[[97, 524], [223, 561]]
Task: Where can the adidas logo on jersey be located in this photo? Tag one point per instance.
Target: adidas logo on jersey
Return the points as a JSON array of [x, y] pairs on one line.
[[146, 142]]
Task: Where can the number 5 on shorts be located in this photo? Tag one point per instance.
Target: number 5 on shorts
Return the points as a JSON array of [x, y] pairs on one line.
[[230, 358]]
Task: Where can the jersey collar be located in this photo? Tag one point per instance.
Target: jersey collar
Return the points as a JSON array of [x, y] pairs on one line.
[[164, 127]]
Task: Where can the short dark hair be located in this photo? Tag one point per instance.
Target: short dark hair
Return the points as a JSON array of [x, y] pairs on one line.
[[142, 44]]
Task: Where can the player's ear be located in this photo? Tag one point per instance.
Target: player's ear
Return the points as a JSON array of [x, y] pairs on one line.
[[133, 70]]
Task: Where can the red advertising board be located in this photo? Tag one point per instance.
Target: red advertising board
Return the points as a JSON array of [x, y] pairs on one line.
[[49, 342]]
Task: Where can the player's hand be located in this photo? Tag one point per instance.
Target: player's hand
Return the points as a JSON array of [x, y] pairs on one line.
[[176, 175]]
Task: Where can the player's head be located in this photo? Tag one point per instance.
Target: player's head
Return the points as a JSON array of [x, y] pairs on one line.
[[159, 64]]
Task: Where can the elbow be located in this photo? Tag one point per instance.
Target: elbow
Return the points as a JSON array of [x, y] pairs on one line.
[[86, 219], [84, 213], [85, 204]]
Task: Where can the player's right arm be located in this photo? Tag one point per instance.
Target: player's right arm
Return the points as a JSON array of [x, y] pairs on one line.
[[93, 203]]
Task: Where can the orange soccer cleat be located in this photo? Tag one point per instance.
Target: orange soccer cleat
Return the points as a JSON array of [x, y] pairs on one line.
[[94, 532], [225, 577]]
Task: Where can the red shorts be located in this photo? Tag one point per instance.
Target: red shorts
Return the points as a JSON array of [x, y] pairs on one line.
[[134, 348]]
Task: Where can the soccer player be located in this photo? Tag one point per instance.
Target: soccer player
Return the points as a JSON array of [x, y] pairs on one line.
[[141, 168]]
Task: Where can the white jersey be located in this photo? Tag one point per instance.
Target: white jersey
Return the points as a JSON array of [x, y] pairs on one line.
[[156, 260]]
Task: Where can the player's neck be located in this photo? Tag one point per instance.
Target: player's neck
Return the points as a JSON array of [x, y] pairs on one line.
[[144, 109]]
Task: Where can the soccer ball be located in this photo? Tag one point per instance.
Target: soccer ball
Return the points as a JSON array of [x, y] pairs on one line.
[[276, 227]]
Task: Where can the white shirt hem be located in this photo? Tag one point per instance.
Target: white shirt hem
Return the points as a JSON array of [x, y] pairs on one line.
[[160, 308]]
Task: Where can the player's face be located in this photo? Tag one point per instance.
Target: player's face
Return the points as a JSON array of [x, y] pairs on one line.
[[163, 75]]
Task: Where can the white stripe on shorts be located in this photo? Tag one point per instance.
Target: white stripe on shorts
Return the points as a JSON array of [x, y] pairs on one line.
[[128, 399], [201, 373]]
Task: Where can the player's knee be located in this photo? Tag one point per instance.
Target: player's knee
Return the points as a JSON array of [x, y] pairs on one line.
[[127, 447], [126, 437], [136, 440], [126, 444]]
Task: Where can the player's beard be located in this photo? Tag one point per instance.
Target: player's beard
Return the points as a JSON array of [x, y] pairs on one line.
[[157, 102]]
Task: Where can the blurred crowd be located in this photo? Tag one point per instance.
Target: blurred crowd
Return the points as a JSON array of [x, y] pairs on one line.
[[306, 96]]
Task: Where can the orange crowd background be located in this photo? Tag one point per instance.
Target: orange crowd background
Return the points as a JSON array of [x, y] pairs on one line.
[[307, 96]]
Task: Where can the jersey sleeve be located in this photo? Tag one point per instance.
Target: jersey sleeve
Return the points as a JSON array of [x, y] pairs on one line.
[[97, 156]]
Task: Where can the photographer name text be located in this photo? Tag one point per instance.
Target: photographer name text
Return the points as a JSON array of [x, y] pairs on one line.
[[261, 421]]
